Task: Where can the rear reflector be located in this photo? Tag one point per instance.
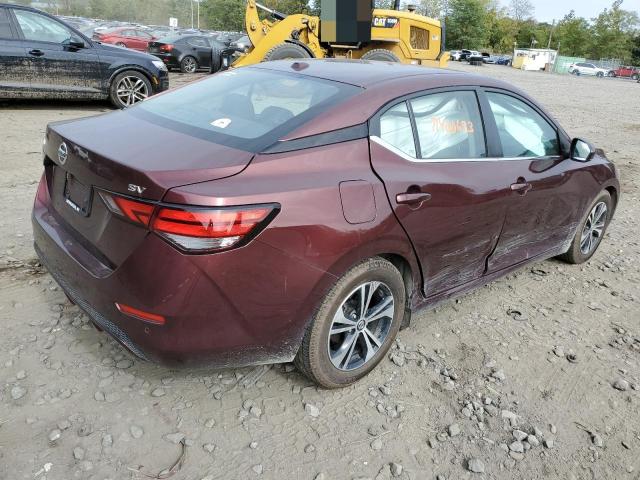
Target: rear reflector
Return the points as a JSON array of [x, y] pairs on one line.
[[166, 48], [140, 314]]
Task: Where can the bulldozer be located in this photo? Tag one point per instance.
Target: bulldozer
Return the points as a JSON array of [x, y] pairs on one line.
[[364, 33]]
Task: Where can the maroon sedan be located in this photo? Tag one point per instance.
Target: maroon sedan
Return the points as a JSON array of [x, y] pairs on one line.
[[303, 209]]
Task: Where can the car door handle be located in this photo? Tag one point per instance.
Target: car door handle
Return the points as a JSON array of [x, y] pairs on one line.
[[522, 187], [36, 53], [412, 198]]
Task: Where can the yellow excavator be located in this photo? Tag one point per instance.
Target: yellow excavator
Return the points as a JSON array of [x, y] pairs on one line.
[[395, 36]]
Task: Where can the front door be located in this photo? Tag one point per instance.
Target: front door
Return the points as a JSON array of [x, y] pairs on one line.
[[430, 152], [55, 66], [542, 208]]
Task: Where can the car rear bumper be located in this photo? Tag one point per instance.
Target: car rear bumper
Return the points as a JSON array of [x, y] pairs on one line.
[[230, 309]]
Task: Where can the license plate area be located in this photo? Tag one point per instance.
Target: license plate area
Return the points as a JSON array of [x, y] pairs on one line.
[[77, 195]]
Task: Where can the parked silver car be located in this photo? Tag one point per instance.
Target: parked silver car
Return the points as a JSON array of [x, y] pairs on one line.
[[587, 69]]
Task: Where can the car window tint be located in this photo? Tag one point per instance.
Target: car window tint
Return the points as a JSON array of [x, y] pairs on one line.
[[40, 28], [246, 104], [523, 131], [395, 129], [5, 26], [449, 125]]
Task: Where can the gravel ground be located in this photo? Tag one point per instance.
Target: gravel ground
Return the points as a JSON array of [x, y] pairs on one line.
[[471, 389]]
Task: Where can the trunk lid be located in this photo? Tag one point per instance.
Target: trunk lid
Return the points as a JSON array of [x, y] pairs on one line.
[[126, 155], [154, 46]]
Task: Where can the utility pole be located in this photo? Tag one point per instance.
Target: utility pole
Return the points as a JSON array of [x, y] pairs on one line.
[[553, 25], [191, 2]]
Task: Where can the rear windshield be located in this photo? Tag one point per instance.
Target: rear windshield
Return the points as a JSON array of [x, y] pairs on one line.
[[248, 108], [169, 38]]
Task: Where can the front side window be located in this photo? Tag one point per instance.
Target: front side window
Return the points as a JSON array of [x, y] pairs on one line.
[[40, 28], [396, 130], [449, 125], [523, 131]]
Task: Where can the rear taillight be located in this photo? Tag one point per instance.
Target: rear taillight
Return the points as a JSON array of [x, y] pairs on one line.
[[133, 210], [199, 230], [195, 229], [166, 48]]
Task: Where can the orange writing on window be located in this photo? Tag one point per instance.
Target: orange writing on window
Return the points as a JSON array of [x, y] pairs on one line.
[[439, 124]]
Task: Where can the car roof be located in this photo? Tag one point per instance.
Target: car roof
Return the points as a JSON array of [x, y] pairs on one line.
[[361, 73]]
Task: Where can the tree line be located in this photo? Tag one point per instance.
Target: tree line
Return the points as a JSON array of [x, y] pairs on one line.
[[475, 24]]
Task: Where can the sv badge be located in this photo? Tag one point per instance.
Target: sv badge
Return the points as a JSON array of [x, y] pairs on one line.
[[136, 188]]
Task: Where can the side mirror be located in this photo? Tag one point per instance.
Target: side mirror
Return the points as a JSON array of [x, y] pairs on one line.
[[74, 43], [581, 151]]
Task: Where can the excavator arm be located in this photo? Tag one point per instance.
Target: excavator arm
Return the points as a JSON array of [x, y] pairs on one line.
[[266, 34]]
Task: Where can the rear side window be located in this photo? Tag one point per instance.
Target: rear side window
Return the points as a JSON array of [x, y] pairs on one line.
[[523, 131], [198, 42], [248, 108], [449, 126], [5, 26], [396, 130]]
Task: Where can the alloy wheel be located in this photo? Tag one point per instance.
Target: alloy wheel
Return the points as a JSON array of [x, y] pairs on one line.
[[593, 228], [189, 65], [361, 325], [131, 90]]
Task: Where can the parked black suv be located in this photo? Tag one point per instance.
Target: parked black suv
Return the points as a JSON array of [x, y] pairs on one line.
[[43, 57]]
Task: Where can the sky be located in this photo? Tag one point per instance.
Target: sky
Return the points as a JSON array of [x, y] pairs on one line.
[[548, 10]]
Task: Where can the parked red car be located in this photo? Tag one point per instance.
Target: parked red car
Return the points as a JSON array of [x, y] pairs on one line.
[[626, 72], [129, 37], [303, 209]]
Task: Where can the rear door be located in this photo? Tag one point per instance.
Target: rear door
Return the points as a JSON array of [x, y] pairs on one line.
[[54, 66], [14, 74], [545, 191], [431, 152], [199, 48]]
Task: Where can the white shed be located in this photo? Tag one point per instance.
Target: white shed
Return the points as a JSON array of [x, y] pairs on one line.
[[533, 58]]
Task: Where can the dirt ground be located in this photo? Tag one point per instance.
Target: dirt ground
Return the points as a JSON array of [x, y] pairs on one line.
[[467, 387]]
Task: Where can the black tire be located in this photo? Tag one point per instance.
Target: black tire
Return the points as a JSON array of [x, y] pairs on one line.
[[216, 60], [577, 72], [575, 255], [120, 44], [285, 51], [600, 74], [313, 358], [135, 76], [188, 64], [381, 55], [635, 76], [612, 74]]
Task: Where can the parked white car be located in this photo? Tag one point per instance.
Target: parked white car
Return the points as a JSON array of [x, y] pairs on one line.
[[455, 55], [587, 69]]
